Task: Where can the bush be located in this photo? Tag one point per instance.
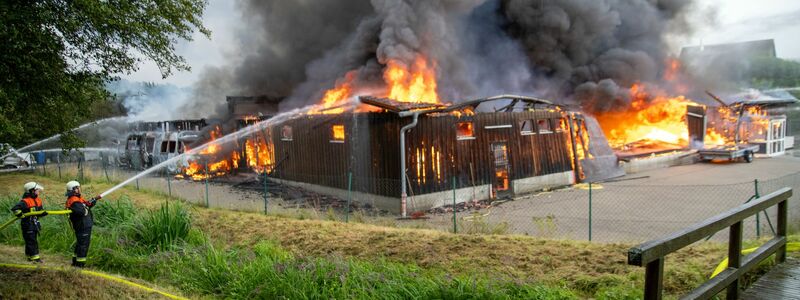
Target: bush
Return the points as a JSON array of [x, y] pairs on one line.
[[163, 228]]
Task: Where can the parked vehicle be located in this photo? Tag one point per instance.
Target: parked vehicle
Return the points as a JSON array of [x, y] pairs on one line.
[[12, 159], [143, 150]]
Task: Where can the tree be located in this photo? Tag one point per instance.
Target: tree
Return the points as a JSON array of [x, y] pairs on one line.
[[771, 72], [56, 55]]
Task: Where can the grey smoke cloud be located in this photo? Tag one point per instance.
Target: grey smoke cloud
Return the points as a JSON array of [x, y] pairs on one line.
[[589, 51]]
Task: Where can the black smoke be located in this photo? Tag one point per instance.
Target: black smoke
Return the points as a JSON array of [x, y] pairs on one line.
[[587, 52], [593, 50]]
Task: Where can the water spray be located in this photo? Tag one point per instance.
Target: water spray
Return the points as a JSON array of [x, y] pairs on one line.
[[222, 140], [98, 122]]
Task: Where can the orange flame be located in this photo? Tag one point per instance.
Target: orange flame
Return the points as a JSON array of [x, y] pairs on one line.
[[259, 154], [337, 95], [650, 119], [197, 171], [713, 138], [405, 83], [415, 83]]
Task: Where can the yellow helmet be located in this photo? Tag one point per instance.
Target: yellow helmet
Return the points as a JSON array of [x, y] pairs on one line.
[[33, 186]]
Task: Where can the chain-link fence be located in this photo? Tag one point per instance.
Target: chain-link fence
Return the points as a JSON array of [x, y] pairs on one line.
[[621, 211]]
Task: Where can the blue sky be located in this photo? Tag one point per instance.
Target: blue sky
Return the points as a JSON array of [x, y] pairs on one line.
[[734, 20]]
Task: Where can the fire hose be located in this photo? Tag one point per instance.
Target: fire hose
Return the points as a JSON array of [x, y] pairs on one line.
[[34, 213], [790, 247], [96, 274]]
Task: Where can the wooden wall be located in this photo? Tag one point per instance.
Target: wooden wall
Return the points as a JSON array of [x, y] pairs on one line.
[[471, 161], [434, 154]]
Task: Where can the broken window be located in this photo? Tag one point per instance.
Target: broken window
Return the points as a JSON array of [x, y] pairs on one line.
[[131, 144], [172, 146], [286, 133], [526, 127], [337, 133], [544, 126], [465, 131], [149, 143]]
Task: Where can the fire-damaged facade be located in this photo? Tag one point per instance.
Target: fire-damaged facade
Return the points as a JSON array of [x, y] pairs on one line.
[[410, 156]]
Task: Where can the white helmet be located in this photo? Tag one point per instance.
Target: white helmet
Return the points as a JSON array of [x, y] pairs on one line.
[[72, 185], [33, 186]]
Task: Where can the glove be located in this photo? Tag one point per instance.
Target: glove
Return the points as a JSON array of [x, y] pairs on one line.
[[18, 213], [43, 214], [93, 201]]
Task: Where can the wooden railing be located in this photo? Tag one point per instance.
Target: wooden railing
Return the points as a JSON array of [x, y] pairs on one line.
[[651, 254]]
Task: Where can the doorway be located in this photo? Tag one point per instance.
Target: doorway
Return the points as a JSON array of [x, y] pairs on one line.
[[502, 183]]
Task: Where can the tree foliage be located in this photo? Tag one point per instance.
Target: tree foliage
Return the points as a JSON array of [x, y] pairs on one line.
[[56, 56], [770, 72]]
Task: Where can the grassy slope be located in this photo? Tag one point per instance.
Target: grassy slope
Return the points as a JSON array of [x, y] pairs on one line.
[[585, 267], [67, 284]]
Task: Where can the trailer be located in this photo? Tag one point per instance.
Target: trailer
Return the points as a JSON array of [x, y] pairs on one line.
[[730, 153]]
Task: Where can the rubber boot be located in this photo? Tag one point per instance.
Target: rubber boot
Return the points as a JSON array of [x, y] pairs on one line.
[[74, 262]]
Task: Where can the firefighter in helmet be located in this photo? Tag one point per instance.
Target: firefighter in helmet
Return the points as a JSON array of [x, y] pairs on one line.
[[30, 202], [81, 220]]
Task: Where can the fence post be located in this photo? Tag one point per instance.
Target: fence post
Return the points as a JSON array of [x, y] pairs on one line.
[[758, 214], [455, 227], [206, 181], [58, 162], [105, 170], [266, 191], [590, 211], [735, 257], [137, 183], [349, 196], [44, 163], [80, 169], [169, 184]]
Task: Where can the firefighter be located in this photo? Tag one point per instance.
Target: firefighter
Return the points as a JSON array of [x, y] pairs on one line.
[[30, 225], [81, 220]]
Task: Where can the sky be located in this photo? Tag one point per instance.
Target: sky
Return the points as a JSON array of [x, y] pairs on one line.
[[732, 21]]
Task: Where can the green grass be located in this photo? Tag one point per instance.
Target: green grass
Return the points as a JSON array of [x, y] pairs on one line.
[[268, 272], [218, 253], [161, 246], [45, 284]]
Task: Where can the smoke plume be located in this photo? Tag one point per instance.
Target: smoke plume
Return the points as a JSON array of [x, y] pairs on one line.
[[593, 50], [588, 52]]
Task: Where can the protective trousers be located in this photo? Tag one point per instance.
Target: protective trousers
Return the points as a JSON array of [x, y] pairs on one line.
[[83, 237], [30, 235]]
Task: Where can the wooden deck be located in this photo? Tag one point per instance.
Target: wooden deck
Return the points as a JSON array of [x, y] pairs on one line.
[[781, 282]]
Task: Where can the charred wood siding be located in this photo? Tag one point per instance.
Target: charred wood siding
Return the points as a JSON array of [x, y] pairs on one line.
[[434, 154], [471, 160], [370, 150]]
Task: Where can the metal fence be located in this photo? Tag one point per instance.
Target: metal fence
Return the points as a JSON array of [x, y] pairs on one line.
[[621, 211]]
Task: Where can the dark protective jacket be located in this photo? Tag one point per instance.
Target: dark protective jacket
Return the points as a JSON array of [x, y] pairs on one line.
[[81, 216], [28, 204]]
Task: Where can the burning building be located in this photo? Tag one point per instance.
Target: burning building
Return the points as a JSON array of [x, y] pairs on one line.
[[408, 57], [410, 156]]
